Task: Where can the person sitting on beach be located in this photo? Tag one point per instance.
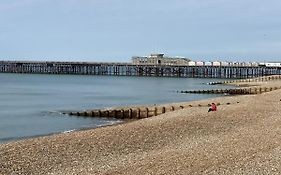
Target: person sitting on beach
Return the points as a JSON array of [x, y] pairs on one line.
[[213, 107]]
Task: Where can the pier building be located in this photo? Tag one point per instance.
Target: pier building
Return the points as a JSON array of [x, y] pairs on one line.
[[159, 59]]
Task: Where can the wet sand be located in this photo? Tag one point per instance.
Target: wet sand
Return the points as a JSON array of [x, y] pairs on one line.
[[242, 137]]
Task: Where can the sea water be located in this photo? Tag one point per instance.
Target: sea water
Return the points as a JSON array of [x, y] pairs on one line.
[[33, 104]]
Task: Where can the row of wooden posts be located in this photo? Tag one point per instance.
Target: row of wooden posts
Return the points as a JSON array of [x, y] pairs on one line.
[[138, 112], [258, 79], [234, 91], [132, 113]]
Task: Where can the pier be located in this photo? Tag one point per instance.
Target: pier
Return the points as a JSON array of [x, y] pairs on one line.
[[129, 69]]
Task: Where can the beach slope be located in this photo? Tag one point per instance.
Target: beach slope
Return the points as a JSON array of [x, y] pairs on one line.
[[242, 137]]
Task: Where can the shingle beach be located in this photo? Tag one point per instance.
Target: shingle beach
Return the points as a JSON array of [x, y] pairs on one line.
[[242, 137]]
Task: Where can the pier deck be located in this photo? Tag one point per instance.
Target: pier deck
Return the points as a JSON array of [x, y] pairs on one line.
[[128, 69]]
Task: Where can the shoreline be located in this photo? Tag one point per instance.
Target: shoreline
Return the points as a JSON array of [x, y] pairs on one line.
[[242, 137], [123, 121], [18, 139], [195, 104]]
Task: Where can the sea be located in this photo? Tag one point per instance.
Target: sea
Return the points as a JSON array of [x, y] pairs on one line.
[[33, 105]]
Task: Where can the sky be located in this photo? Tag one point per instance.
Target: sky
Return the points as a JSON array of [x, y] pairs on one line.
[[116, 30]]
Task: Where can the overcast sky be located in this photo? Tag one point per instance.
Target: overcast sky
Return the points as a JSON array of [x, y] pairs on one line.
[[116, 30]]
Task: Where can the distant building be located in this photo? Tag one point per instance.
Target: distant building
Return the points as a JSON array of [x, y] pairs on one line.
[[159, 59]]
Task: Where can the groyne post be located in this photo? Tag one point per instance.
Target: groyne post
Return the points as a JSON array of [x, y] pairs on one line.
[[163, 109], [147, 112], [155, 111], [122, 114], [130, 113], [138, 113]]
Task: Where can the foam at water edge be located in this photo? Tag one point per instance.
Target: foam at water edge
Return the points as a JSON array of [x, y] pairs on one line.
[[68, 131], [110, 123]]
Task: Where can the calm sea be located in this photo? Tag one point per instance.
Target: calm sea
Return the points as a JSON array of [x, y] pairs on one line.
[[32, 105]]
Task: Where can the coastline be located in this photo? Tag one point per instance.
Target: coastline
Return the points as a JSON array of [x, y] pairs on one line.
[[240, 138], [18, 139]]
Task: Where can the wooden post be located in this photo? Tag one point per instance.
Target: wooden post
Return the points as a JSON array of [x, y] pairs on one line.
[[130, 113], [163, 109], [92, 113], [172, 108], [147, 112], [155, 111], [122, 114], [138, 113]]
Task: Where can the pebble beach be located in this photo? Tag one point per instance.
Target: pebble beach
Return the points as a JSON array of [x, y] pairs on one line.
[[242, 137]]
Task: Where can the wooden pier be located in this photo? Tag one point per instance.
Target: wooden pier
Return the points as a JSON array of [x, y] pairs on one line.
[[128, 69]]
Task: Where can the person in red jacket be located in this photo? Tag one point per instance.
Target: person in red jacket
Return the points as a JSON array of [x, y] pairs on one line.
[[213, 107]]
